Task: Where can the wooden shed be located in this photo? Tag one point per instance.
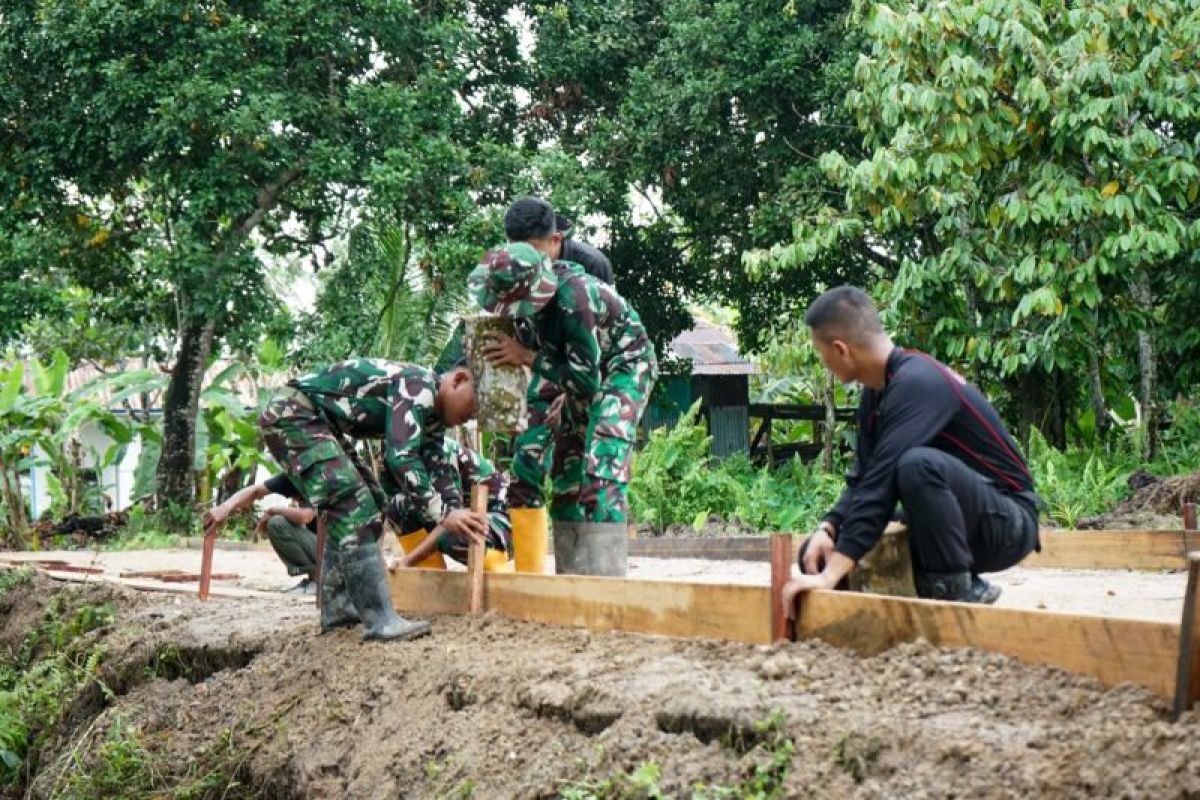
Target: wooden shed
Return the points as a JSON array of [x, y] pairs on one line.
[[719, 377]]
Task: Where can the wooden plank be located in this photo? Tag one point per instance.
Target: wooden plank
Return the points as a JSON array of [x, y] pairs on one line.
[[667, 608], [1112, 650], [782, 628], [475, 552], [1187, 674], [1139, 550], [1133, 549]]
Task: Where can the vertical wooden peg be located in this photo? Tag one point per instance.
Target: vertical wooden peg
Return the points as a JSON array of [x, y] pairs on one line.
[[206, 559], [475, 553], [1187, 674], [322, 543], [781, 573]]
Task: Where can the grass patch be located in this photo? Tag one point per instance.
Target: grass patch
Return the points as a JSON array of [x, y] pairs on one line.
[[770, 760], [38, 682]]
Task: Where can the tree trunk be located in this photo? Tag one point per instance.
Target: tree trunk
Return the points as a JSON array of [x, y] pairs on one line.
[[1096, 390], [1146, 366], [830, 421], [10, 484], [176, 476]]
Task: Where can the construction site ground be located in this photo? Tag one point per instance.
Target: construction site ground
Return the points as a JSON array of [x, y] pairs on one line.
[[239, 698]]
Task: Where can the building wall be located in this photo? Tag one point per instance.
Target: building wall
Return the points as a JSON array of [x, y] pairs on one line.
[[116, 481]]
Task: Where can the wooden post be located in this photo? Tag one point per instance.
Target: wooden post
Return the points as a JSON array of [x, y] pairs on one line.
[[475, 552], [1187, 674], [321, 545], [206, 559], [1189, 516], [781, 573]]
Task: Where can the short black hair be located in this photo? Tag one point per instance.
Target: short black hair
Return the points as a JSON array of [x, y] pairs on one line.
[[844, 312], [529, 218]]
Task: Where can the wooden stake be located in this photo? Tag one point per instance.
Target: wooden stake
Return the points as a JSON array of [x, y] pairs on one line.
[[781, 573], [1187, 674], [1189, 516], [475, 552], [206, 559], [321, 544]]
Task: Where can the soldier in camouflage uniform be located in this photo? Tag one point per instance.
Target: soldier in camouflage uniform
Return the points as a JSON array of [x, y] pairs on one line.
[[307, 426], [592, 346], [471, 468]]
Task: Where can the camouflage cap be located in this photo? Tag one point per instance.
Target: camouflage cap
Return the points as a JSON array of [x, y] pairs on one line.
[[515, 280]]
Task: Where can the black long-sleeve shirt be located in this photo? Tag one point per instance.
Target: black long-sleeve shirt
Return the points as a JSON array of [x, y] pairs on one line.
[[594, 262], [923, 403]]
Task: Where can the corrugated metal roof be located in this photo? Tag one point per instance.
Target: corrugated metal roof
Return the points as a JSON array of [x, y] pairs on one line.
[[712, 351]]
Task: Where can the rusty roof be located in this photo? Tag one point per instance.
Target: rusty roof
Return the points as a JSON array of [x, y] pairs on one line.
[[712, 350]]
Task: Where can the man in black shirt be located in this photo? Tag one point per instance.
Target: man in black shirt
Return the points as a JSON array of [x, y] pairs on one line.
[[931, 441]]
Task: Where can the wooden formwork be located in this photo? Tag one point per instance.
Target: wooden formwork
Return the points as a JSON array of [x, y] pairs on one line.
[[1061, 549], [1163, 657]]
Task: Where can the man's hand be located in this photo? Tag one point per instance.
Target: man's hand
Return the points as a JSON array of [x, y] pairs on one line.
[[820, 548], [505, 351], [468, 523], [802, 583], [214, 519]]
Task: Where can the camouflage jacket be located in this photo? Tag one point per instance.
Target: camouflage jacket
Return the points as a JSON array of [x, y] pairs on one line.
[[470, 468], [587, 332], [371, 398]]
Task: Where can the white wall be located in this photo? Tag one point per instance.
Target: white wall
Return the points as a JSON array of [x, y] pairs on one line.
[[116, 481]]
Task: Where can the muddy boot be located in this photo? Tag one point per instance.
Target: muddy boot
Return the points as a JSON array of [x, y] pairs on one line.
[[366, 579], [337, 609], [591, 548], [956, 586]]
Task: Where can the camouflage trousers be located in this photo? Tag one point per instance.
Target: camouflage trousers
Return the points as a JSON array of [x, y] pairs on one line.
[[591, 449], [400, 514], [323, 467]]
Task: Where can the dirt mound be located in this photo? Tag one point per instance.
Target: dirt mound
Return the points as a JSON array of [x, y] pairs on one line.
[[1156, 504], [242, 699]]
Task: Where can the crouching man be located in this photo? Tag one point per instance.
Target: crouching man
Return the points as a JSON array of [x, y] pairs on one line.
[[931, 441]]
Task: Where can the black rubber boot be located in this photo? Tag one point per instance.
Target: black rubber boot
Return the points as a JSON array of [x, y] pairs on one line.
[[337, 609], [366, 579]]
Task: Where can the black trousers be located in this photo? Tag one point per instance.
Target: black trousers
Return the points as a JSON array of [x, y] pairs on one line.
[[958, 520]]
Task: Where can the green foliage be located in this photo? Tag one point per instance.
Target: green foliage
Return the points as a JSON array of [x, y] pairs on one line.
[[48, 671], [676, 480], [1033, 170], [124, 765], [693, 126], [11, 578]]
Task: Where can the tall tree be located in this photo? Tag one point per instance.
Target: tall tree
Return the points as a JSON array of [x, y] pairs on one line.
[[694, 126], [153, 152], [1045, 157]]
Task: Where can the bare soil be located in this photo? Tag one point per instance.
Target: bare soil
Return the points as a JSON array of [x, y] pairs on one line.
[[488, 707]]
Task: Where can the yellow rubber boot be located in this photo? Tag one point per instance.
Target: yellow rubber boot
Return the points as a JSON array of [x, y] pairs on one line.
[[531, 537], [497, 561], [410, 541]]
